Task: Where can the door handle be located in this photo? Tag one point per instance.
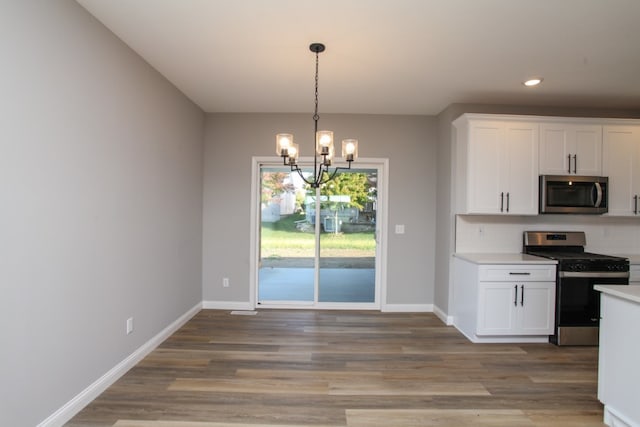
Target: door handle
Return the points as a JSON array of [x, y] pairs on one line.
[[515, 300], [598, 195], [521, 295], [575, 163]]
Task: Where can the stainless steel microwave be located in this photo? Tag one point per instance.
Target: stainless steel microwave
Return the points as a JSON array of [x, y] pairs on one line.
[[573, 194]]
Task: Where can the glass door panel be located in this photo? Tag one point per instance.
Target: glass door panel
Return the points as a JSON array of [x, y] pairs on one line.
[[347, 263], [287, 249]]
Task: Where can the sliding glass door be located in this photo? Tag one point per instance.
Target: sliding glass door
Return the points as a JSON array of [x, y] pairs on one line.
[[317, 247], [348, 239]]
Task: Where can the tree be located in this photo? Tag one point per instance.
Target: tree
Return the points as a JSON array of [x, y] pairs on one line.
[[274, 184], [356, 185]]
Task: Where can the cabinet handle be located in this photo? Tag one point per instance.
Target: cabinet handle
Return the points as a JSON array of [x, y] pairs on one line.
[[575, 163], [502, 202], [515, 300], [521, 295], [569, 163], [519, 273], [507, 202], [635, 204]]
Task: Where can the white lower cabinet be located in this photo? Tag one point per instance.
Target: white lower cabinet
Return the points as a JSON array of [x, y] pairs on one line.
[[504, 303], [618, 373], [515, 308]]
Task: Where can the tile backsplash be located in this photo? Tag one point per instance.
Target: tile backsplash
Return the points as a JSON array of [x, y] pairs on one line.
[[503, 233]]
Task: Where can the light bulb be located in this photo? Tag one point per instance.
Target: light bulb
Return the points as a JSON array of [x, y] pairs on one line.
[[283, 142]]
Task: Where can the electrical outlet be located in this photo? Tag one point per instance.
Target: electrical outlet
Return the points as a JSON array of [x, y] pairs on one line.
[[129, 325], [225, 282]]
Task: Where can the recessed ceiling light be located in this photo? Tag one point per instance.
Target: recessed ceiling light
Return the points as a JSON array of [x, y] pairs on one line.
[[533, 82]]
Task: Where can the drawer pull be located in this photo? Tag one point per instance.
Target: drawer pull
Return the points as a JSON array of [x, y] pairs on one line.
[[519, 273]]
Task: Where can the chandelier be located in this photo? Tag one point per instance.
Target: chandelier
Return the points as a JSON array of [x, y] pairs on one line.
[[290, 152]]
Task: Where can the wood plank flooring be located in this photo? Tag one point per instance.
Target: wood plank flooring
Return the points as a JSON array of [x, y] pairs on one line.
[[354, 369]]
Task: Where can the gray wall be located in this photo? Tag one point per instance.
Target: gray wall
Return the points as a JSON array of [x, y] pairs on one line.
[[100, 205], [409, 142], [445, 214]]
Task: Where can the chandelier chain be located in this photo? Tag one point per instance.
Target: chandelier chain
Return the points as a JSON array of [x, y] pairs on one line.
[[316, 117]]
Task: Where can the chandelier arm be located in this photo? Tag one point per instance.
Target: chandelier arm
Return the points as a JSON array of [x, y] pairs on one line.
[[295, 168], [332, 175]]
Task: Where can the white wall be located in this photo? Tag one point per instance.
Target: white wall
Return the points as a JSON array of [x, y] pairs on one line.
[[100, 205], [409, 143]]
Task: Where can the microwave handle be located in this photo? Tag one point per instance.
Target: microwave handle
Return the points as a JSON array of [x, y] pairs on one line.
[[598, 194]]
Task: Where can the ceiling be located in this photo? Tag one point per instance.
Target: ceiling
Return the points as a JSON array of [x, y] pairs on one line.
[[385, 56]]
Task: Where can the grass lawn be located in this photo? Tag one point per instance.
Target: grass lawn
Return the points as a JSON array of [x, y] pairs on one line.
[[282, 239]]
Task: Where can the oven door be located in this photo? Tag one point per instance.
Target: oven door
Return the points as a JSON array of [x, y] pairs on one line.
[[578, 308]]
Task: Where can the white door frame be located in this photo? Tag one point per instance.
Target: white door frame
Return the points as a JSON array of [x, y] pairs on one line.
[[382, 165]]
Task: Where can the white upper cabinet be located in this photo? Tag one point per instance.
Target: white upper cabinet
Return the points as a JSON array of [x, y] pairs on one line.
[[497, 166], [498, 159], [621, 163], [570, 149]]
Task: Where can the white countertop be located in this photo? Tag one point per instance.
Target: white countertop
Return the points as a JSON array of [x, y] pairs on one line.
[[503, 258], [627, 292], [633, 258]]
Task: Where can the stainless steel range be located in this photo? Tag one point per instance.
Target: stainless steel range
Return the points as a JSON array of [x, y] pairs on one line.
[[577, 304]]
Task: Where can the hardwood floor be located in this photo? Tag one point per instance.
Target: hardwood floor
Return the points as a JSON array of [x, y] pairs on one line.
[[355, 369]]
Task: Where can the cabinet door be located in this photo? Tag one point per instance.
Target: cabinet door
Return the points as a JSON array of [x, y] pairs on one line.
[[486, 167], [502, 168], [570, 149], [521, 146], [555, 149], [536, 302], [621, 159], [588, 150], [497, 306]]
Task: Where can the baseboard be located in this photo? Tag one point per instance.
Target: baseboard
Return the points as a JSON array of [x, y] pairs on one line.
[[447, 320], [227, 305], [614, 418], [75, 405], [408, 308]]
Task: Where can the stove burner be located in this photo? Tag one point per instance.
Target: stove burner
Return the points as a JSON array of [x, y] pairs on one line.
[[574, 256], [568, 249]]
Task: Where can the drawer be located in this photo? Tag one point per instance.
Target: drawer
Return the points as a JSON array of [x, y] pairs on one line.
[[518, 273]]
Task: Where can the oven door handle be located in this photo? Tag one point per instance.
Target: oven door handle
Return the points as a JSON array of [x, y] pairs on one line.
[[594, 274]]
